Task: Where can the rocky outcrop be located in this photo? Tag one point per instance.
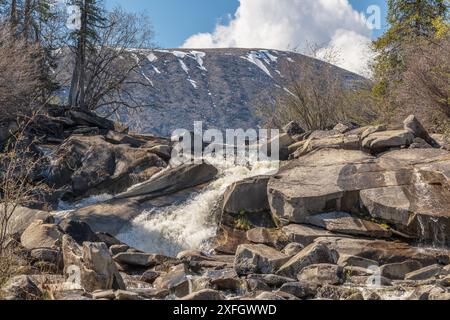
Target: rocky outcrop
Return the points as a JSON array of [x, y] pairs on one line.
[[407, 189], [413, 125], [90, 165], [255, 199], [41, 235], [98, 270], [381, 141], [90, 266], [258, 258], [173, 180], [109, 217], [322, 274], [344, 223], [22, 217], [313, 254], [78, 230]]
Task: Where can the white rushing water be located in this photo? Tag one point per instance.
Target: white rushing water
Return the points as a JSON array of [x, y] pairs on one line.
[[189, 225]]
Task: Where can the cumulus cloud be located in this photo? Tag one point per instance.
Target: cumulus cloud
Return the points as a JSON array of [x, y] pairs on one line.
[[291, 25]]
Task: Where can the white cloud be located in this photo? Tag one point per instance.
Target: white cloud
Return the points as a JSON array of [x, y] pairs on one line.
[[291, 24], [352, 51]]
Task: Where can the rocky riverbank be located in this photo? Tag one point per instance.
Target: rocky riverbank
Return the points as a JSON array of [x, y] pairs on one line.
[[353, 213]]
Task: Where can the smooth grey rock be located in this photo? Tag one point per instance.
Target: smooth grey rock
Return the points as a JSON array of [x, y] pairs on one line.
[[41, 235], [344, 223], [398, 271], [425, 273], [22, 217], [313, 254], [406, 189], [305, 235], [413, 125], [144, 260], [380, 141], [292, 249], [78, 230], [249, 195], [173, 180], [258, 258], [322, 274]]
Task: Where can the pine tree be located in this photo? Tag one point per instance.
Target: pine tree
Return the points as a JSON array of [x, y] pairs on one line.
[[84, 40], [409, 21]]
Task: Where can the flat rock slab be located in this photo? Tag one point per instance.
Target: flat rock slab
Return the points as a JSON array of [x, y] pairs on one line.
[[384, 252], [173, 180], [344, 223], [405, 188], [305, 235]]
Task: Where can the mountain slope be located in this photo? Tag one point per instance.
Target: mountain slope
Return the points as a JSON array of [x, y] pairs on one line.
[[221, 87]]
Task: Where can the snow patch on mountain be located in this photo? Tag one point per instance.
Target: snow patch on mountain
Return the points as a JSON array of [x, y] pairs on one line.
[[255, 57]]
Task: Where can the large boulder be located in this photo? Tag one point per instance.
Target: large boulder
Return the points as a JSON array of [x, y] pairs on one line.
[[173, 180], [258, 258], [177, 281], [313, 254], [78, 230], [143, 260], [340, 141], [398, 271], [41, 235], [108, 217], [90, 266], [98, 271], [22, 217], [91, 165], [305, 235], [384, 252], [249, 195], [426, 273], [344, 223], [323, 274], [413, 125], [381, 141], [407, 189]]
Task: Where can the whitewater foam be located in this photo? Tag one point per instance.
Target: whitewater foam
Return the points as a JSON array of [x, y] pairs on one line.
[[190, 225]]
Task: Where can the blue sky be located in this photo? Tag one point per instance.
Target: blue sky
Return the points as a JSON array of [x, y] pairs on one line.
[[176, 20]]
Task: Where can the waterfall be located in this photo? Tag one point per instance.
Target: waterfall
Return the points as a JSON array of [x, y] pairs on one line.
[[189, 225]]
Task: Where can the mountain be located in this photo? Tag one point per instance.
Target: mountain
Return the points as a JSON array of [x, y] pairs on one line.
[[221, 87]]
